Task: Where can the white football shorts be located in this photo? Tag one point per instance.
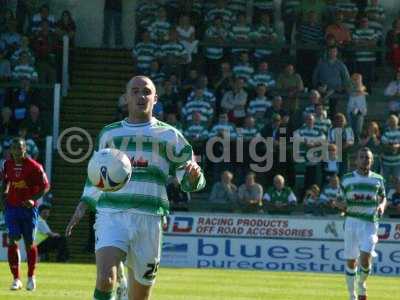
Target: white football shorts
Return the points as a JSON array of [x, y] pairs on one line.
[[138, 235], [359, 236]]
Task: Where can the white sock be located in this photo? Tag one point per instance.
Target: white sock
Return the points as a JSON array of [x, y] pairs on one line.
[[363, 275], [351, 280]]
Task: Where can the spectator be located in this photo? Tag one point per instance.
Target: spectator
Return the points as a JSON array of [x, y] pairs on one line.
[[290, 15], [31, 147], [343, 136], [48, 240], [264, 34], [223, 83], [259, 105], [156, 74], [24, 70], [376, 16], [391, 149], [332, 166], [309, 139], [277, 108], [278, 131], [160, 28], [35, 125], [315, 99], [7, 124], [393, 91], [225, 191], [331, 192], [357, 105], [45, 49], [240, 34], [144, 53], [24, 12], [21, 99], [394, 200], [243, 69], [263, 76], [339, 30], [187, 36], [215, 34], [350, 11], [173, 54], [237, 7], [196, 131], [43, 15], [365, 39], [223, 128], [158, 110], [190, 82], [11, 38], [66, 26], [393, 44], [250, 195], [292, 84], [5, 75], [6, 18], [198, 104], [321, 120], [112, 14], [334, 74], [172, 120], [207, 93], [309, 36], [179, 199], [146, 12], [24, 48], [234, 102], [311, 200], [279, 198], [170, 99], [371, 138], [219, 11], [249, 129]]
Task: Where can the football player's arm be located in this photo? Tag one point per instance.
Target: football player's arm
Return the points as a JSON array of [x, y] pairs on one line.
[[383, 201], [79, 213], [41, 181], [187, 170]]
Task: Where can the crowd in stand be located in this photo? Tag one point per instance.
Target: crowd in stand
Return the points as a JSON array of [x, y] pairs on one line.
[[30, 53], [218, 71]]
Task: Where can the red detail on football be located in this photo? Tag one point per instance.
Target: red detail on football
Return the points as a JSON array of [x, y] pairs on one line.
[[101, 183]]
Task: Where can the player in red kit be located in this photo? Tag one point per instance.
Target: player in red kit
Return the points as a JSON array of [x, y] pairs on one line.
[[24, 183]]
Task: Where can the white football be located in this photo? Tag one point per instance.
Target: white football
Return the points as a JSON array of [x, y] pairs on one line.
[[109, 169]]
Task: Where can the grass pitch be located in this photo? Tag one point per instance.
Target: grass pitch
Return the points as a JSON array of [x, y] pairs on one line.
[[76, 281]]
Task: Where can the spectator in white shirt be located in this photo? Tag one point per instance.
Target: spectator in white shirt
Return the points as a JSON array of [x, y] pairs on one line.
[[357, 105], [393, 91]]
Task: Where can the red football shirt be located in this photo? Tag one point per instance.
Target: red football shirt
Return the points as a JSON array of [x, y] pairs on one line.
[[24, 180]]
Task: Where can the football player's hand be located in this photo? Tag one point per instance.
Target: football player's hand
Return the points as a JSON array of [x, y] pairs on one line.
[[28, 203], [381, 210], [193, 170], [68, 230]]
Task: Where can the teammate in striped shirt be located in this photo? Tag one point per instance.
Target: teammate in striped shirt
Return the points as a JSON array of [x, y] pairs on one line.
[[364, 203], [128, 221], [391, 149]]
